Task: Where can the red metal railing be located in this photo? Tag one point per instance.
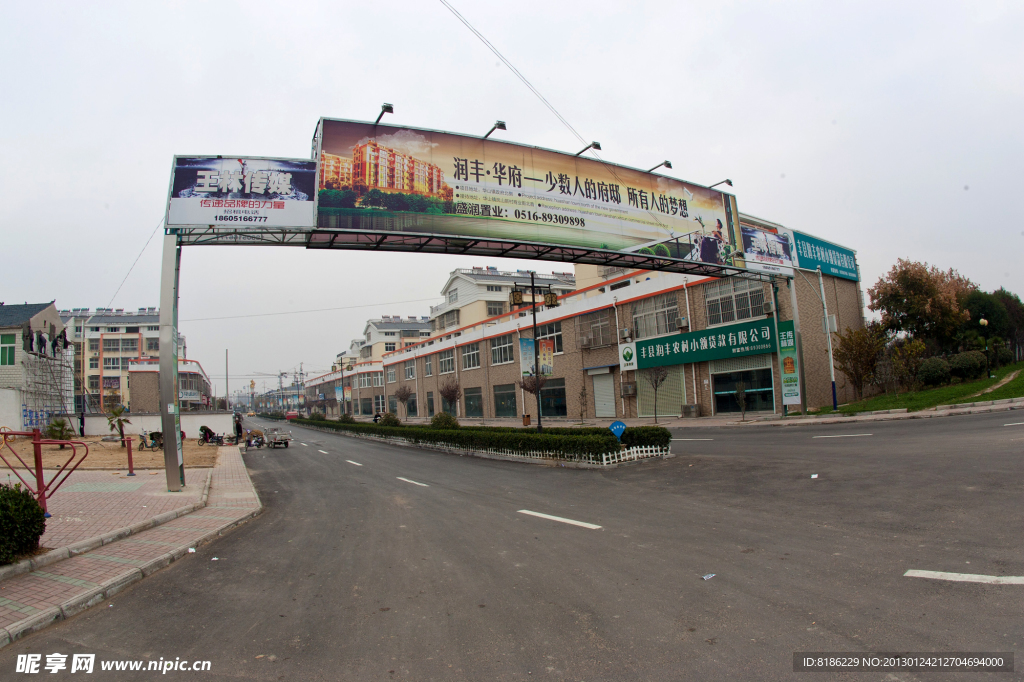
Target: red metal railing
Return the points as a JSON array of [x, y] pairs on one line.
[[42, 490]]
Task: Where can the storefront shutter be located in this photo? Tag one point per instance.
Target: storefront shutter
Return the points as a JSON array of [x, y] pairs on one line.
[[604, 395], [671, 395]]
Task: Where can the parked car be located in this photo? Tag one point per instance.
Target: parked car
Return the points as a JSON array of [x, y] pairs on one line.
[[250, 414], [291, 414]]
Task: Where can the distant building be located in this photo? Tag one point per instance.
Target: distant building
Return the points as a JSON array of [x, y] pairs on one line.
[[390, 333], [476, 294], [36, 366], [193, 387]]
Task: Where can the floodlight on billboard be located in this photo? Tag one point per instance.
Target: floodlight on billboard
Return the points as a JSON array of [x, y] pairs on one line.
[[242, 192], [449, 186]]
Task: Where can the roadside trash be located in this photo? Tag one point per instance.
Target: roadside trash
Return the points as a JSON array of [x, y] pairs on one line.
[[709, 576], [191, 550], [814, 475], [214, 559]]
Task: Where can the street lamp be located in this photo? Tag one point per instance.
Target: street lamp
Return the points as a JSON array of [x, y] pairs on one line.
[[592, 145], [498, 125], [666, 164], [384, 109], [984, 323], [726, 181]]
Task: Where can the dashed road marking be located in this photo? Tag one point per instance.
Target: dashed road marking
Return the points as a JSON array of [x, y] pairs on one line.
[[846, 435], [304, 445], [967, 577], [325, 452], [582, 524], [351, 462], [693, 439], [1015, 424], [413, 482]]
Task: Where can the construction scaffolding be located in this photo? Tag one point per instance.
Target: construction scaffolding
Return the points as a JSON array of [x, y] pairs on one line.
[[49, 388]]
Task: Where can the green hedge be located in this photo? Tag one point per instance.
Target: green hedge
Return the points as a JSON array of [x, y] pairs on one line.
[[21, 522], [564, 443], [271, 415]]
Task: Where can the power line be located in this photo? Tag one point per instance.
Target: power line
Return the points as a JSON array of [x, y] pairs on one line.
[[297, 312], [136, 261]]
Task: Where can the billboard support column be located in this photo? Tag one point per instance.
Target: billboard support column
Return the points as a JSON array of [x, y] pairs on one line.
[[169, 418], [536, 348], [778, 346], [828, 337]]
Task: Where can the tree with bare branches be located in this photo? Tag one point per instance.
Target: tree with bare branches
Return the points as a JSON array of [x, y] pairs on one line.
[[533, 384], [655, 377], [741, 398], [451, 391], [402, 395]]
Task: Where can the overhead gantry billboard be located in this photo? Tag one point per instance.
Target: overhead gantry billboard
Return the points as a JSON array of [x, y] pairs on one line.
[[390, 178]]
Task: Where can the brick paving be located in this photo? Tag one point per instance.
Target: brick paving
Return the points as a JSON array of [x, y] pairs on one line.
[[91, 503], [60, 589]]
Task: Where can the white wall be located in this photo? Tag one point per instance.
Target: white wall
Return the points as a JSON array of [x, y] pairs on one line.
[[220, 422], [10, 407]]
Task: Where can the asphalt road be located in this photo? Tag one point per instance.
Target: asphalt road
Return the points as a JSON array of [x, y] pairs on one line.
[[411, 564]]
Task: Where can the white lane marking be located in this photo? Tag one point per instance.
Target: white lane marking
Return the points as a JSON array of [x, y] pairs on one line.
[[413, 482], [1015, 424], [325, 452], [351, 462], [304, 445], [559, 518], [846, 435], [693, 439], [967, 577]]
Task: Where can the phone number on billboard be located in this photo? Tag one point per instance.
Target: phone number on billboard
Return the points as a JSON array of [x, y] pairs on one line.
[[550, 218], [241, 218]]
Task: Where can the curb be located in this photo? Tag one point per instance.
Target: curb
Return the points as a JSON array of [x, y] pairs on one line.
[[118, 583], [89, 544]]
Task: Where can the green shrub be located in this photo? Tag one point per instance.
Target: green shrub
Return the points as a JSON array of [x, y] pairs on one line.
[[59, 429], [968, 365], [389, 419], [1004, 356], [271, 415], [934, 372], [650, 436], [21, 522], [346, 418], [443, 420], [316, 417]]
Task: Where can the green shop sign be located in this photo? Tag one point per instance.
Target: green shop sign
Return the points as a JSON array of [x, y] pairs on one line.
[[732, 341], [834, 260]]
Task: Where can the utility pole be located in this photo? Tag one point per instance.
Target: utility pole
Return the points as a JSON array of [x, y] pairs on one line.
[[227, 388], [536, 351]]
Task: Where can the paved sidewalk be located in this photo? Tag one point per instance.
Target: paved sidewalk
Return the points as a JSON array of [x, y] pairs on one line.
[[92, 503], [32, 601]]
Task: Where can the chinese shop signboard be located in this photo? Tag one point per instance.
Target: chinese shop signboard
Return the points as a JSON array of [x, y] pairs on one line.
[[441, 183], [242, 192], [730, 341], [788, 360], [836, 261]]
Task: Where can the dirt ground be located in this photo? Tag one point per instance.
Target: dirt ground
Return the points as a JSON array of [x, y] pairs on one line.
[[110, 455]]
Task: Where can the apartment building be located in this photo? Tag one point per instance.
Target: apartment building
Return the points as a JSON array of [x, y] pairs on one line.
[[387, 334], [473, 295], [107, 342], [194, 387], [335, 171]]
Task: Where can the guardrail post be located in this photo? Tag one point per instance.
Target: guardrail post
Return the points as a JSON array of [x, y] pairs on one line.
[[37, 453], [131, 466]]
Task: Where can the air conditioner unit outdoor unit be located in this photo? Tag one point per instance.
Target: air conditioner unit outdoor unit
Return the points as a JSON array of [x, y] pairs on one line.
[[682, 323], [587, 342], [768, 307], [624, 334], [628, 388]]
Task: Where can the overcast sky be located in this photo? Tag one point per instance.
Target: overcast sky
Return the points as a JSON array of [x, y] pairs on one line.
[[892, 128]]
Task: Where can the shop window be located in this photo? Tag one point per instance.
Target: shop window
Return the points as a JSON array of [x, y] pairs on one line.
[[552, 330], [378, 403], [392, 404], [505, 400], [474, 399], [759, 391], [366, 406], [410, 407], [552, 399]]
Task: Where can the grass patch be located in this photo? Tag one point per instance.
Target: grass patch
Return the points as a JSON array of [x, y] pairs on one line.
[[943, 395]]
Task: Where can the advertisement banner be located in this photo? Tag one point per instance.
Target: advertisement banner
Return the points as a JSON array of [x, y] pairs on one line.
[[836, 261], [546, 352], [348, 393], [729, 341], [188, 395], [526, 356], [788, 360], [432, 182], [627, 356], [767, 251], [242, 192]]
